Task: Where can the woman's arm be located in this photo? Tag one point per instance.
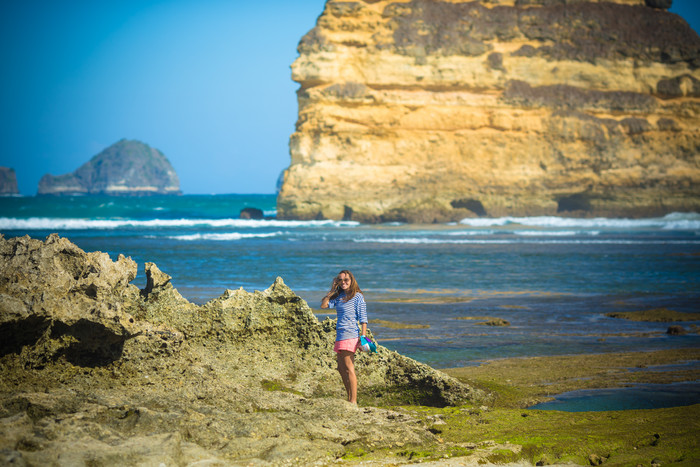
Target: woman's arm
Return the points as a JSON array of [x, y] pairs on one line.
[[361, 310], [324, 300], [327, 297]]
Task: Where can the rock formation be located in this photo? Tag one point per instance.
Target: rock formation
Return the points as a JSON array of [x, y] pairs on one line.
[[8, 181], [127, 167], [251, 213], [96, 371], [433, 111]]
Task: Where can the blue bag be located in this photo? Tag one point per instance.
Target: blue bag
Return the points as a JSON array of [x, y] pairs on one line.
[[366, 345]]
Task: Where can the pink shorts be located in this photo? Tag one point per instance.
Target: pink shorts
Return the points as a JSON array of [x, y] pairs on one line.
[[347, 344]]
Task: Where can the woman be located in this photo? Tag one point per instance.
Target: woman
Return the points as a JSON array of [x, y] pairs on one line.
[[347, 299]]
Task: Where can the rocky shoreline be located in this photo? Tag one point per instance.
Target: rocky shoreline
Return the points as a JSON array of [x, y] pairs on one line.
[[97, 371]]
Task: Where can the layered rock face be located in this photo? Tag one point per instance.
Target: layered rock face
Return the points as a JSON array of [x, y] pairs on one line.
[[129, 168], [433, 111], [8, 181], [96, 371]]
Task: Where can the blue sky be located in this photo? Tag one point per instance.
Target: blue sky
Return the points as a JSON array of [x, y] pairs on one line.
[[205, 81]]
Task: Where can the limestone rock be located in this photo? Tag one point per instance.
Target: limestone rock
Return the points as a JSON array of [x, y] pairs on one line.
[[67, 302], [155, 278], [97, 371], [126, 168], [433, 111], [8, 181]]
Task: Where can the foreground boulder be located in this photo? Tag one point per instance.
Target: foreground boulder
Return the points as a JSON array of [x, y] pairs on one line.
[[95, 369]]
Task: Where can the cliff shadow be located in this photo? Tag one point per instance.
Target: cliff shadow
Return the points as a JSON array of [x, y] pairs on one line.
[[14, 335], [83, 343], [576, 202]]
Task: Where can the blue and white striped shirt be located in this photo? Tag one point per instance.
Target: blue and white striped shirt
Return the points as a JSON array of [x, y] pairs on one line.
[[349, 313]]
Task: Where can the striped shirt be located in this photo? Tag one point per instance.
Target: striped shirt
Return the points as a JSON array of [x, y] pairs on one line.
[[349, 313]]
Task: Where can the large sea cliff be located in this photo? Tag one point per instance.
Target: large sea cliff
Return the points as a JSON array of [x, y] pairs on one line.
[[433, 111]]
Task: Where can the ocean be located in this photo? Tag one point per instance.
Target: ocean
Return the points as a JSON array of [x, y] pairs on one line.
[[552, 278]]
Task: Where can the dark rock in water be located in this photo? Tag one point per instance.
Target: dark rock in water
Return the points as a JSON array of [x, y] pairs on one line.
[[127, 168], [95, 369], [251, 213], [487, 320], [496, 322], [8, 181], [676, 330]]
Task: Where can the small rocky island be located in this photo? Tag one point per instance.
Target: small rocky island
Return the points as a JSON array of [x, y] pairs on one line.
[[8, 182], [126, 168]]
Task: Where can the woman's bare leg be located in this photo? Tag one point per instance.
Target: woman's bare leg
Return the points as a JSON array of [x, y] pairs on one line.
[[346, 368]]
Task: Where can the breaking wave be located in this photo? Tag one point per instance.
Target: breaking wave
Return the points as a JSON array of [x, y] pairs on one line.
[[493, 241], [48, 223], [674, 221], [223, 236]]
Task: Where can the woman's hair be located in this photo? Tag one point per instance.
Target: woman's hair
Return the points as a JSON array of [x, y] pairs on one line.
[[352, 290]]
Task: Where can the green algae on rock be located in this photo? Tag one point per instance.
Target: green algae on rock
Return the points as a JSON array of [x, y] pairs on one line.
[[486, 320], [523, 382], [397, 325], [96, 370], [505, 433], [533, 437], [656, 315]]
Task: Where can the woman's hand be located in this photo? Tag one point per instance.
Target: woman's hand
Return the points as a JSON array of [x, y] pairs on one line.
[[326, 298]]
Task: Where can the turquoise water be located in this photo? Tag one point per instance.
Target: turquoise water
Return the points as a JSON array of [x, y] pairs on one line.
[[636, 397], [552, 278], [87, 211]]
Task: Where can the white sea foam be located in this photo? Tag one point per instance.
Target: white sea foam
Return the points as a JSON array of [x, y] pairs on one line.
[[460, 233], [48, 223], [427, 241], [555, 233], [674, 221], [572, 241], [223, 236]]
